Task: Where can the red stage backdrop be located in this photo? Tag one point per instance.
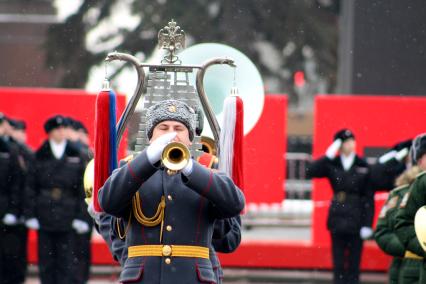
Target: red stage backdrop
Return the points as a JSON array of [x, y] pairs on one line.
[[377, 121], [264, 153], [36, 105]]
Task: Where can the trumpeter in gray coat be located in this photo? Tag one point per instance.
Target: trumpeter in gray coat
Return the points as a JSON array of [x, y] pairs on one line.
[[169, 219]]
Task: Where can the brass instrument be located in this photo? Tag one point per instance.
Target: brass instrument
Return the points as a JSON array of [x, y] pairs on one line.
[[420, 226], [209, 146], [89, 180], [175, 157]]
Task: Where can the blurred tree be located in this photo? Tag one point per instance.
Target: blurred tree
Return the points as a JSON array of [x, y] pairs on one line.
[[281, 37]]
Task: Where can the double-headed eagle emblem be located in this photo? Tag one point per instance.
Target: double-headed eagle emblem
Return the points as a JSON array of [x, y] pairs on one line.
[[171, 38]]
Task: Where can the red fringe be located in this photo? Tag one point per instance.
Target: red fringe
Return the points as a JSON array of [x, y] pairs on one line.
[[102, 145], [237, 162]]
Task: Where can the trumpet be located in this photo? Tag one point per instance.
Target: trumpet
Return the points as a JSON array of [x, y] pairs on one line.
[[209, 146], [175, 157]]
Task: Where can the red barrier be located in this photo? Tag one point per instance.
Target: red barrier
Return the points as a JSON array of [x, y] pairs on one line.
[[375, 121], [296, 255], [257, 254], [264, 153], [36, 105]]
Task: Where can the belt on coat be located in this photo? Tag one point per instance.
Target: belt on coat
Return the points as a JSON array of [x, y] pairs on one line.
[[342, 196], [168, 250], [412, 255]]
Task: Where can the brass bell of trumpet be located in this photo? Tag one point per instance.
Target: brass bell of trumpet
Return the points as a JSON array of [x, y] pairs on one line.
[[208, 144], [89, 180], [175, 157], [419, 226]]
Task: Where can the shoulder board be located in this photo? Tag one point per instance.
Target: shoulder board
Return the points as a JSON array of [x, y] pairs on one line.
[[420, 174], [383, 212], [126, 160], [404, 200], [392, 202], [400, 187]]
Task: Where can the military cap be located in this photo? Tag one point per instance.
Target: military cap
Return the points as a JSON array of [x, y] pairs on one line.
[[344, 134], [20, 124], [403, 144], [54, 122], [170, 110], [17, 124], [418, 148], [69, 121], [78, 125]]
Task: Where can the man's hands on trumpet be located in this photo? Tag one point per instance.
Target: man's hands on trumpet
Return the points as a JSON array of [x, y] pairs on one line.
[[156, 148]]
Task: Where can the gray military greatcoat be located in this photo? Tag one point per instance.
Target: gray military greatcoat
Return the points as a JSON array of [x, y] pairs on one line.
[[193, 204]]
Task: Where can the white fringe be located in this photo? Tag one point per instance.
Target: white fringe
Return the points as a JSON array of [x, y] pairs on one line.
[[227, 135]]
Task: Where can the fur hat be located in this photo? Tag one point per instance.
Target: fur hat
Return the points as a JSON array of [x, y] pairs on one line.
[[344, 134], [170, 110], [54, 122], [408, 176], [418, 148]]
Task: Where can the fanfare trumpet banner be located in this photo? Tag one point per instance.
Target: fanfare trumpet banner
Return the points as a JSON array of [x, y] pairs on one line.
[[232, 135], [105, 140]]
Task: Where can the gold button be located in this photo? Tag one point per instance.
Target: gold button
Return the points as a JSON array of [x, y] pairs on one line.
[[169, 228], [167, 260], [169, 197], [167, 250]]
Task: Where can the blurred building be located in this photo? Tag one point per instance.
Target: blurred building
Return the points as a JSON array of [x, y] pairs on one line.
[[382, 47], [23, 27]]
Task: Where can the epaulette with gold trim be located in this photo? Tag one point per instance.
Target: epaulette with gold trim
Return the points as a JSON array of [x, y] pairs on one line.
[[126, 160]]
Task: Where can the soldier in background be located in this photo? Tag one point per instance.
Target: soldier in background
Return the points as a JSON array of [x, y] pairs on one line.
[[9, 200], [411, 202], [401, 270], [78, 134], [16, 233], [351, 210], [54, 206]]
